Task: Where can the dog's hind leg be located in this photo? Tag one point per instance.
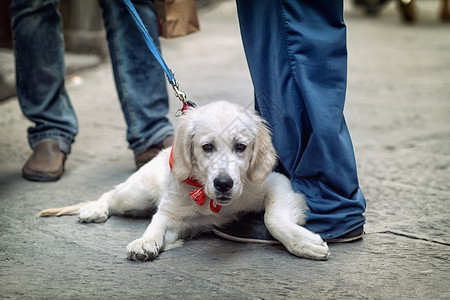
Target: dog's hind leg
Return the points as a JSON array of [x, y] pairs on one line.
[[136, 196]]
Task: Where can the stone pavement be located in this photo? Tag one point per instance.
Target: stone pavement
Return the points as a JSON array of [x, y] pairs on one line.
[[398, 111]]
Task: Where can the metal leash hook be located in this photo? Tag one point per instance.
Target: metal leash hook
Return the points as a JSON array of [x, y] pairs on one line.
[[182, 96]]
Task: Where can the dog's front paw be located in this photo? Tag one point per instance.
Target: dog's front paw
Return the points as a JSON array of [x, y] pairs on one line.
[[93, 212], [314, 249], [309, 245], [142, 250]]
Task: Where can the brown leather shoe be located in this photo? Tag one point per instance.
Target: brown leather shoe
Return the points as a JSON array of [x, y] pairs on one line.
[[46, 163], [408, 10], [144, 157], [445, 11]]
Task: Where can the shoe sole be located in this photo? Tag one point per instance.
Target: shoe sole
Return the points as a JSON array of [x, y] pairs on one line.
[[244, 240], [41, 178], [346, 239], [36, 176]]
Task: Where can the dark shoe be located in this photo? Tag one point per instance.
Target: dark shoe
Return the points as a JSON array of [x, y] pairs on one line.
[[354, 235], [251, 229], [144, 157], [46, 163], [445, 11], [407, 10]]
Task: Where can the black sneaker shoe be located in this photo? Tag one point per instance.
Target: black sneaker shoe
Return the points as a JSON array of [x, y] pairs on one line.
[[354, 235], [250, 229]]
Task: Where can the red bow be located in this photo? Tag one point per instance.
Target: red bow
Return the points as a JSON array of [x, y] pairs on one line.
[[198, 195]]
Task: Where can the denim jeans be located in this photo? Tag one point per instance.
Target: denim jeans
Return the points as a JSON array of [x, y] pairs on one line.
[[298, 66], [40, 69]]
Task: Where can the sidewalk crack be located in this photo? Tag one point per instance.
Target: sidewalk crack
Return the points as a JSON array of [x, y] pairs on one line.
[[414, 237]]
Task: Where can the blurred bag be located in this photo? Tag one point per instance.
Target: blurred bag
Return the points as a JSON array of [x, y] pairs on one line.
[[176, 17]]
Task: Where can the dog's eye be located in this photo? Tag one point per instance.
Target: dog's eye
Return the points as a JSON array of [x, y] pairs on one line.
[[208, 148], [240, 147]]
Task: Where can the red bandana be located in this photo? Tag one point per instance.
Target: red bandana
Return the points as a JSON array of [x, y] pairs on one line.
[[198, 195]]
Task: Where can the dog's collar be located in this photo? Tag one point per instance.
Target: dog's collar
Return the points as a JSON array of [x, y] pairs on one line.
[[198, 194]]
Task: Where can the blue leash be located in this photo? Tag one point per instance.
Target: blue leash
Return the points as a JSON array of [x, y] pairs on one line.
[[154, 50]]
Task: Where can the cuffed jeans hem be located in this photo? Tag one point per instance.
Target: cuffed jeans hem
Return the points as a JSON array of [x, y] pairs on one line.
[[64, 139], [142, 145], [337, 233]]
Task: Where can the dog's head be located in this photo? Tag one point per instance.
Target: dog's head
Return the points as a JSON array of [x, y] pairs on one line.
[[223, 146]]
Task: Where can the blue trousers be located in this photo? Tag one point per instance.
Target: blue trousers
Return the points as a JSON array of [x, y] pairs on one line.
[[40, 71], [297, 56]]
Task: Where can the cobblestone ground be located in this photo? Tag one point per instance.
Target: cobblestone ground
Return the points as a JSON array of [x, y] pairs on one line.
[[398, 111]]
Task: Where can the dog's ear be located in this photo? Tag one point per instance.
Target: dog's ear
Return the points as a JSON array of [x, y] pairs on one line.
[[264, 156], [182, 150]]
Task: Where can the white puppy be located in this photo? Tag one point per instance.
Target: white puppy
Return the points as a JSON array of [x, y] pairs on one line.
[[220, 166]]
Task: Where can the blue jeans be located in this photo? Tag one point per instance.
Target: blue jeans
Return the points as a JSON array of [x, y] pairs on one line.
[[40, 70], [297, 56]]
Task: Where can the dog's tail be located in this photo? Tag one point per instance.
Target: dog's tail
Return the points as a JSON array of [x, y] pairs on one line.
[[61, 211]]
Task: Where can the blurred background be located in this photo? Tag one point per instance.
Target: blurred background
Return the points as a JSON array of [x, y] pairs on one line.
[[84, 32]]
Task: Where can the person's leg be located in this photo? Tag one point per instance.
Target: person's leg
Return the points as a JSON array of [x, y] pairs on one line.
[[140, 81], [39, 58], [298, 66]]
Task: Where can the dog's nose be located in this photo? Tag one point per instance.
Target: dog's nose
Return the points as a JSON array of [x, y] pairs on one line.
[[223, 183]]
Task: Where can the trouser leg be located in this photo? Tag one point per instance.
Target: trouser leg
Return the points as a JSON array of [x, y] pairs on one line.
[[140, 81], [296, 52], [39, 58]]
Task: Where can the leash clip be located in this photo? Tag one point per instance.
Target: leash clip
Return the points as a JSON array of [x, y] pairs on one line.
[[179, 93], [182, 96]]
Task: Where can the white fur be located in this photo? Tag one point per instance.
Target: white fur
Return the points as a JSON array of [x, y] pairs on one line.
[[255, 188]]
